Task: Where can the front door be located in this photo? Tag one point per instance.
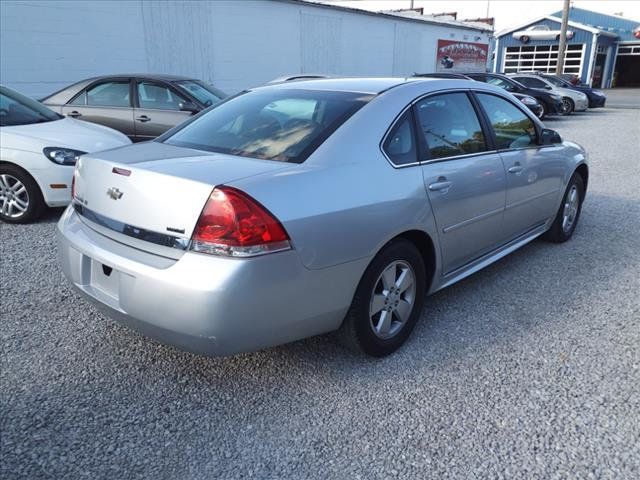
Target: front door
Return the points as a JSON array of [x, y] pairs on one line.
[[465, 181], [158, 110], [534, 172], [107, 103]]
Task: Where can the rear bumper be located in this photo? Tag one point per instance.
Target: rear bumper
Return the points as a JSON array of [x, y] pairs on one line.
[[204, 303]]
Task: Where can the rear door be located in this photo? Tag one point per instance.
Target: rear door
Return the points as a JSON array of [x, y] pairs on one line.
[[106, 102], [534, 172], [463, 175], [157, 109]]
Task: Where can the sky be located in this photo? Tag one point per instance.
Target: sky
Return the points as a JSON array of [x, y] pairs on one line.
[[506, 12]]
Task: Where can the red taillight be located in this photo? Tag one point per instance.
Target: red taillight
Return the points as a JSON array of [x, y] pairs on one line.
[[234, 224]]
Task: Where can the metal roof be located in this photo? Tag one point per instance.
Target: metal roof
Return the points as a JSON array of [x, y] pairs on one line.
[[388, 15], [621, 26], [573, 24]]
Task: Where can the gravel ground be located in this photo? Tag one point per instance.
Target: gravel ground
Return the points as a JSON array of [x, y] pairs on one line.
[[528, 369]]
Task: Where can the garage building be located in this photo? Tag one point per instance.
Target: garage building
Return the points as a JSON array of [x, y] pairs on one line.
[[46, 45], [604, 50]]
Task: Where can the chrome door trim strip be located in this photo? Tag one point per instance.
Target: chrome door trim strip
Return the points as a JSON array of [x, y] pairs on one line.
[[469, 221], [530, 199]]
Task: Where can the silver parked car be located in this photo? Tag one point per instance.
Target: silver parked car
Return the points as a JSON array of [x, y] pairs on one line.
[[572, 100], [301, 208]]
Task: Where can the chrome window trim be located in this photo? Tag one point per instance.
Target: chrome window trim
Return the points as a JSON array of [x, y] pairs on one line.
[[431, 160]]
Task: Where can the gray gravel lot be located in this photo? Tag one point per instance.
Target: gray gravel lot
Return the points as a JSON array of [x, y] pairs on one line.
[[528, 369]]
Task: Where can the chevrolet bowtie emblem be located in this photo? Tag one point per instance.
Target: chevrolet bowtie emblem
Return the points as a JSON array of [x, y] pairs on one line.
[[114, 193]]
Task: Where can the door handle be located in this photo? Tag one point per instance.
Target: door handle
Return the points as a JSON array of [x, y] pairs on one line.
[[441, 184], [143, 118], [517, 168], [74, 114]]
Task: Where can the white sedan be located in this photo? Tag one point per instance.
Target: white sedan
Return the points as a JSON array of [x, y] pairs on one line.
[[540, 32], [38, 151]]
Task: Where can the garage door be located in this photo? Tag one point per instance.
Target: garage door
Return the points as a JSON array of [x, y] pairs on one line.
[[627, 71], [543, 58]]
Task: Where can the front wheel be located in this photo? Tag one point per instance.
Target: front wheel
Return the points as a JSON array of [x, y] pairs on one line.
[[568, 106], [568, 214], [387, 302], [543, 111], [20, 197]]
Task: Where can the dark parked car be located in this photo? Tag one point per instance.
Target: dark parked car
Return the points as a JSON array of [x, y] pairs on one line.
[[531, 103], [139, 105], [550, 102], [596, 97]]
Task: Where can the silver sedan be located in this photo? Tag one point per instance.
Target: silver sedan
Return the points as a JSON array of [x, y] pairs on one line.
[[305, 207]]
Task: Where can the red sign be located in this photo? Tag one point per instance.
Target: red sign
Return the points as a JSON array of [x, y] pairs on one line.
[[455, 56]]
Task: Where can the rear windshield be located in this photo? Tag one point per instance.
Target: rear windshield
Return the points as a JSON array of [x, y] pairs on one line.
[[283, 125], [16, 109]]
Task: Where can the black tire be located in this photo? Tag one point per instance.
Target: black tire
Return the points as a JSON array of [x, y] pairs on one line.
[[568, 106], [543, 111], [35, 205], [557, 233], [357, 331], [524, 39]]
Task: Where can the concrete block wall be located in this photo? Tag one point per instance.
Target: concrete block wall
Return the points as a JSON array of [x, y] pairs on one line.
[[46, 45]]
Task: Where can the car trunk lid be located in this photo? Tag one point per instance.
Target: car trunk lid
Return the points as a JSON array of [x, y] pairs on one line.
[[155, 192]]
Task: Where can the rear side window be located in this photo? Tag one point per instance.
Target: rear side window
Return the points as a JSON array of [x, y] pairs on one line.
[[109, 94], [499, 82], [283, 125], [512, 127], [450, 125], [400, 144]]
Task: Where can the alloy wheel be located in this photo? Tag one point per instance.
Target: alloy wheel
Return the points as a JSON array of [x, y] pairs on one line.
[[14, 198], [392, 299], [570, 211]]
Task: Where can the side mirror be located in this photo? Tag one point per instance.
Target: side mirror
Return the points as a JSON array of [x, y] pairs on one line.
[[548, 87], [188, 106], [549, 137]]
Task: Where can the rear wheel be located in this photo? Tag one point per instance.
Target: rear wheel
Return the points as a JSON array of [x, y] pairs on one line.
[[20, 197], [388, 301], [568, 214]]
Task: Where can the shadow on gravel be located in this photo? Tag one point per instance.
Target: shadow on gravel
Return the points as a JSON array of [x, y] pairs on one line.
[[92, 391], [51, 215]]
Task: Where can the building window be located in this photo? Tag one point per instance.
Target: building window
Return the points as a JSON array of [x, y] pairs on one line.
[[543, 58], [633, 49]]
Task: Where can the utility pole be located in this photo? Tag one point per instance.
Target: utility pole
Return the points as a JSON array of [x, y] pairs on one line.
[[563, 38], [411, 5]]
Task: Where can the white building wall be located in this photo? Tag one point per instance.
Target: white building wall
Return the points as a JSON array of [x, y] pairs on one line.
[[46, 45]]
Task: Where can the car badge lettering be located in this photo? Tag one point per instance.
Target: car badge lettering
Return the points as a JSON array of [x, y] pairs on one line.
[[114, 193]]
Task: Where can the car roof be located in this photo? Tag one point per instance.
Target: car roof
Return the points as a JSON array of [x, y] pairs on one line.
[[63, 95], [368, 85], [158, 76]]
